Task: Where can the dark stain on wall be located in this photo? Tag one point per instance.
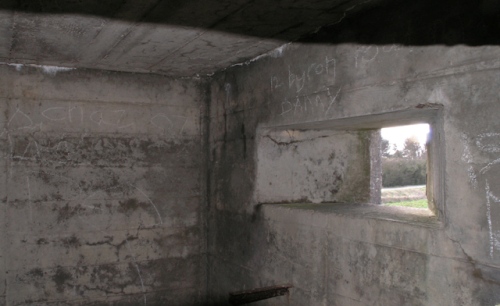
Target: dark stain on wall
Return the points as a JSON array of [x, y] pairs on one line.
[[67, 212], [71, 242], [61, 277], [131, 205], [36, 272]]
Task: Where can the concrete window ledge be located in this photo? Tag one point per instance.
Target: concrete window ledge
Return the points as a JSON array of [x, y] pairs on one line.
[[327, 213]]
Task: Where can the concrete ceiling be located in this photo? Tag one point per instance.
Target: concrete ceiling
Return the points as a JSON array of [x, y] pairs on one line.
[[171, 37]]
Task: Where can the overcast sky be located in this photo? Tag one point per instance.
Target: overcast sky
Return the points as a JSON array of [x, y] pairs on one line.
[[399, 134]]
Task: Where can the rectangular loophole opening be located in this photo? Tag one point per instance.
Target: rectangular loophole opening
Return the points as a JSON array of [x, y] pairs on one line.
[[340, 161], [404, 165]]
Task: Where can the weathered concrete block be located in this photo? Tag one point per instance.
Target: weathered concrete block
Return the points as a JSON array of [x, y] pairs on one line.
[[296, 166], [68, 117], [93, 247], [104, 86], [378, 257], [100, 188], [74, 284], [102, 151]]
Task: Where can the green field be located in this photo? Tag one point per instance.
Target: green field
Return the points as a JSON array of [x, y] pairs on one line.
[[410, 196], [416, 204]]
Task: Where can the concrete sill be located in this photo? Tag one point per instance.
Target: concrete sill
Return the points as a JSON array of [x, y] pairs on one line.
[[406, 215]]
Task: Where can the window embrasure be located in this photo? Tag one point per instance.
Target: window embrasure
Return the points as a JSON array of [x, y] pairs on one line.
[[341, 160]]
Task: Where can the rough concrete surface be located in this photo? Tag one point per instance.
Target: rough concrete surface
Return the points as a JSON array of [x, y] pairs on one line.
[[176, 38], [102, 188], [357, 256], [133, 188], [296, 166]]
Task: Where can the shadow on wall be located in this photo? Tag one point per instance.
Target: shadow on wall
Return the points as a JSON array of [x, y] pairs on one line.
[[448, 22]]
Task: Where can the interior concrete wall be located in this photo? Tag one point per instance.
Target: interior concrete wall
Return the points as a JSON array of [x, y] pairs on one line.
[[102, 183], [346, 254]]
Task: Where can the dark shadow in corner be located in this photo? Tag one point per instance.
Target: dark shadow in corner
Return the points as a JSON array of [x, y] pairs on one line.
[[422, 22], [418, 23]]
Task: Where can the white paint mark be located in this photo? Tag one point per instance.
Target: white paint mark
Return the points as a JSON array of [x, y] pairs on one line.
[[98, 117], [365, 56], [328, 61], [496, 239], [26, 150], [472, 176], [278, 52], [19, 67], [25, 116], [332, 100], [154, 121], [184, 124], [70, 117], [275, 83], [297, 79], [37, 148], [46, 113], [92, 207], [488, 216], [50, 70], [275, 53], [150, 201], [29, 199], [393, 47], [438, 96], [53, 70], [488, 166], [467, 158], [466, 155], [72, 108], [491, 147], [138, 271], [283, 104]]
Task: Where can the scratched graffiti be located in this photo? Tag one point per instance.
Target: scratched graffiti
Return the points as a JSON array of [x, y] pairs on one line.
[[24, 139], [320, 104], [295, 101], [70, 113], [484, 170], [299, 78], [20, 121], [293, 84], [365, 54], [75, 118], [26, 142]]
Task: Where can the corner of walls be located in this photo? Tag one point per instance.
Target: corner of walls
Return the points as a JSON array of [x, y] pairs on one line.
[[251, 247]]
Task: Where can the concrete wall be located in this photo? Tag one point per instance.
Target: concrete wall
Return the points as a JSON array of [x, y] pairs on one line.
[[348, 254], [102, 184]]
